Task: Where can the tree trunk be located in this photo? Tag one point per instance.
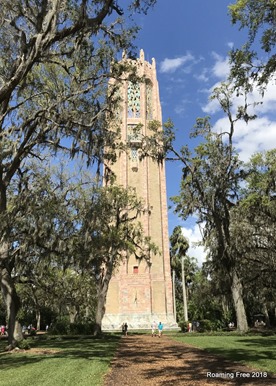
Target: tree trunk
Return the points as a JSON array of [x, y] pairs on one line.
[[7, 285], [18, 335], [37, 309], [185, 307], [100, 310], [225, 308], [266, 314], [101, 300], [237, 289], [73, 312], [12, 304], [38, 319]]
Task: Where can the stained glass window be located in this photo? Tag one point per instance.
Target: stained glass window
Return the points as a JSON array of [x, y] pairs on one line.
[[133, 96], [149, 101], [134, 154]]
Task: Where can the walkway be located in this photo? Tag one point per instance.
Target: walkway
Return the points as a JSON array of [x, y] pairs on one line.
[[145, 361]]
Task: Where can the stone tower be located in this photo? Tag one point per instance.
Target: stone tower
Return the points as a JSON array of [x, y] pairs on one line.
[[138, 293]]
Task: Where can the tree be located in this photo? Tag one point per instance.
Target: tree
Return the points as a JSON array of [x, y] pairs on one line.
[[248, 64], [40, 224], [253, 228], [57, 57], [179, 247], [103, 242], [205, 300], [209, 189], [62, 245]]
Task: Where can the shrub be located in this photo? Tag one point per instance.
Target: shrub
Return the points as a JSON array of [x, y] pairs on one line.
[[63, 327], [81, 328], [206, 325], [24, 345], [183, 326]]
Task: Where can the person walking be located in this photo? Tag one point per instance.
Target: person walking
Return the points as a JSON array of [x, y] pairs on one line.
[[126, 327], [160, 329]]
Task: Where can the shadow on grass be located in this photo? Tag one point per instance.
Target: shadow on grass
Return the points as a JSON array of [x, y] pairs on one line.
[[101, 349], [257, 348]]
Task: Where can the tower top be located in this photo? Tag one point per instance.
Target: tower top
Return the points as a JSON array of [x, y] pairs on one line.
[[141, 58]]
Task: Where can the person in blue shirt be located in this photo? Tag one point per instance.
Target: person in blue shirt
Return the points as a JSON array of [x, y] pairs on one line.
[[160, 329]]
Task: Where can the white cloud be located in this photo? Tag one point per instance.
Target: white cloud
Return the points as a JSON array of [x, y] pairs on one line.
[[182, 107], [212, 106], [171, 65], [221, 67], [230, 45], [257, 135], [194, 236], [203, 76]]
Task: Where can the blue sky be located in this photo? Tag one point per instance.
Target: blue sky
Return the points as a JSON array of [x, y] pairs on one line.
[[190, 41]]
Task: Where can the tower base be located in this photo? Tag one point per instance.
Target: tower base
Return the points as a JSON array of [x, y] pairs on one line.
[[112, 322]]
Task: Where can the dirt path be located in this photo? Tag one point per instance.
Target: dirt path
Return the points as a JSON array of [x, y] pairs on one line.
[[145, 361]]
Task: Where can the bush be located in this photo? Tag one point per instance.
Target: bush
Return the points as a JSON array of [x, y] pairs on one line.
[[206, 325], [63, 327], [81, 328], [24, 345], [183, 326]]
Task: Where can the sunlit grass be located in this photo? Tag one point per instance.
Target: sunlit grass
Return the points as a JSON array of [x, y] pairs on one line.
[[257, 351], [59, 362]]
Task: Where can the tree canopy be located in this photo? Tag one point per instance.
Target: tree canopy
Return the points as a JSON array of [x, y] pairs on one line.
[[256, 59]]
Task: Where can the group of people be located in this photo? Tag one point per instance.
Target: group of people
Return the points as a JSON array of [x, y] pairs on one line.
[[154, 328]]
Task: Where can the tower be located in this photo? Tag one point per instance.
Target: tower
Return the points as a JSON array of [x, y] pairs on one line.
[[138, 293]]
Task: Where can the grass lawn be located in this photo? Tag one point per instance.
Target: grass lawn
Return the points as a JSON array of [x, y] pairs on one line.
[[256, 351], [56, 361]]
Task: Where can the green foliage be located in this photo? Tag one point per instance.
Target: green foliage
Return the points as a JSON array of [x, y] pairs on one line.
[[82, 328], [24, 344], [2, 313], [62, 326], [237, 206], [183, 325], [209, 188], [258, 17], [179, 245], [65, 251], [206, 325], [205, 300], [184, 268]]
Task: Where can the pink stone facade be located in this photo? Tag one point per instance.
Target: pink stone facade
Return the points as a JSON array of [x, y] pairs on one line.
[[138, 293]]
